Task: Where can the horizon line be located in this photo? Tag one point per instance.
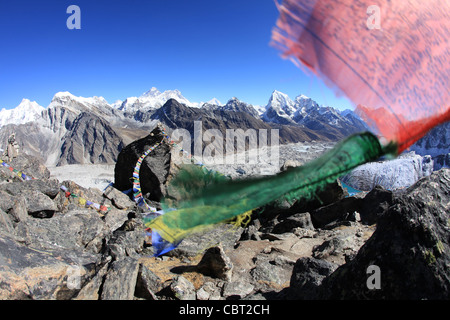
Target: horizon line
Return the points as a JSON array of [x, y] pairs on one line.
[[173, 90]]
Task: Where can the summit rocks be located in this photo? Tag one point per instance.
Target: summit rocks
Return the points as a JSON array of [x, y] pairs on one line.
[[155, 170], [410, 247], [53, 248]]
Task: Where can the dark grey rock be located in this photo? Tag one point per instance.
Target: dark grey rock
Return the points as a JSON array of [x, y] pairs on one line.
[[375, 204], [6, 201], [90, 137], [125, 243], [216, 263], [6, 224], [333, 246], [38, 196], [118, 199], [307, 276], [410, 247], [251, 232], [268, 275], [115, 219], [225, 234], [281, 209], [182, 288], [91, 194], [335, 212], [370, 208], [120, 281], [298, 220], [30, 273], [82, 229], [18, 211], [154, 169], [39, 205], [49, 188], [272, 270], [237, 289], [148, 283], [91, 290], [31, 166]]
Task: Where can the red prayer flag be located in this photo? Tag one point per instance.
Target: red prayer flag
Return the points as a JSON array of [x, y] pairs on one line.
[[397, 72]]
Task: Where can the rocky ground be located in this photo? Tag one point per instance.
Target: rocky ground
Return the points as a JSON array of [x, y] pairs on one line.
[[51, 247], [245, 164]]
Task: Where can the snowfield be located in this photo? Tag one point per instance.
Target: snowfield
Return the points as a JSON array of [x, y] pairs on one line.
[[394, 174], [245, 164], [86, 175], [398, 173]]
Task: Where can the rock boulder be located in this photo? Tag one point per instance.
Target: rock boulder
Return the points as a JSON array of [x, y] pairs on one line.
[[155, 169], [410, 247]]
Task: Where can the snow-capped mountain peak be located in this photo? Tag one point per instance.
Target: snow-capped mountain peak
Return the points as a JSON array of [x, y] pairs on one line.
[[279, 109], [26, 111], [28, 105], [153, 92], [117, 104], [214, 101], [152, 99], [65, 97], [302, 96], [304, 101], [306, 112], [96, 104], [234, 104], [281, 101]]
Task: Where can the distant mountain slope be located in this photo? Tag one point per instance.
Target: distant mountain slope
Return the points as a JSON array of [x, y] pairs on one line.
[[436, 144], [25, 112], [90, 140], [76, 129], [176, 115], [305, 112]]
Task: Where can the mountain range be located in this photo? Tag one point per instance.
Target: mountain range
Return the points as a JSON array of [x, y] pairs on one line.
[[79, 130]]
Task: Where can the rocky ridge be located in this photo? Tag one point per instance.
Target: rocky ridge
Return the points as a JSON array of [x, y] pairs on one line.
[[51, 247], [436, 144], [54, 133]]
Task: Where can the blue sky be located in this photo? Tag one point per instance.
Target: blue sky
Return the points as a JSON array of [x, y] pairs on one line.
[[204, 48]]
